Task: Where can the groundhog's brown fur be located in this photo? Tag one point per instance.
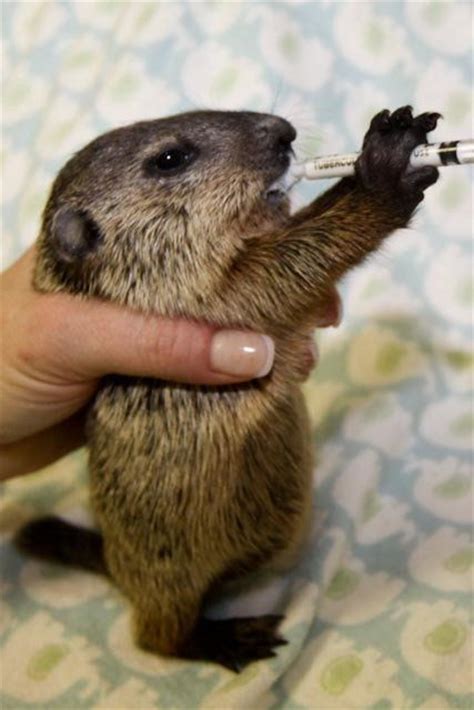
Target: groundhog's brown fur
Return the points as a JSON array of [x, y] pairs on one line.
[[195, 485]]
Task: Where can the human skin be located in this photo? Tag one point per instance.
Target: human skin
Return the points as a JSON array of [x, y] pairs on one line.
[[56, 348]]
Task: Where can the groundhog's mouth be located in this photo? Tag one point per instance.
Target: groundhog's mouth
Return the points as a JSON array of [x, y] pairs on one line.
[[279, 188]]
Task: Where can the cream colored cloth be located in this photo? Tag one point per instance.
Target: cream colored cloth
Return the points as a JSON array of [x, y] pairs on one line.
[[377, 610]]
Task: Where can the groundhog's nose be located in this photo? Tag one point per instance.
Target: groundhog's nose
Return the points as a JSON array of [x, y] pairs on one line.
[[278, 134], [278, 129]]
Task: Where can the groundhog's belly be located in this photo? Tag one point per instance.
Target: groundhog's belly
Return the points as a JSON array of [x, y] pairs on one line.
[[181, 473]]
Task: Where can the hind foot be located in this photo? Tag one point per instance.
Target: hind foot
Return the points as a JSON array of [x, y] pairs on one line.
[[234, 643]]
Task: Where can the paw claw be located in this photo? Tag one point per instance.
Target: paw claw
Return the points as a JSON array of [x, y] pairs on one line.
[[381, 121], [402, 117], [427, 121]]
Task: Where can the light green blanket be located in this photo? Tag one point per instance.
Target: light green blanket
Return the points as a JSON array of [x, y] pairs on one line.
[[377, 611]]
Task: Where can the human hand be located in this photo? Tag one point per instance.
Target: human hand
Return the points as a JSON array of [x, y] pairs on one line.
[[56, 348]]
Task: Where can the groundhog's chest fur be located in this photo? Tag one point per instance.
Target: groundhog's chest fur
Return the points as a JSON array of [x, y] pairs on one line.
[[223, 476]]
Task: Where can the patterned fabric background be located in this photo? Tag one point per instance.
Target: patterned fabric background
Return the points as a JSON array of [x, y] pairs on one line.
[[377, 612]]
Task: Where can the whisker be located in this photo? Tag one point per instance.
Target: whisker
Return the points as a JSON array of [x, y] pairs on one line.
[[277, 96]]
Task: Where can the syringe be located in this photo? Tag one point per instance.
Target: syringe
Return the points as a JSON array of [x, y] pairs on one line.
[[437, 154]]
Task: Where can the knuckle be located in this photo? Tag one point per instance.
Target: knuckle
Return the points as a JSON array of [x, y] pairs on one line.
[[178, 350], [162, 345], [168, 343]]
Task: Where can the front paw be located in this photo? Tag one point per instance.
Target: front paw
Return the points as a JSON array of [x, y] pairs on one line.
[[382, 165]]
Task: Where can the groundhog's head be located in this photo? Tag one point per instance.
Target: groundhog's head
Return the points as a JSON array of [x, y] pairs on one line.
[[153, 214]]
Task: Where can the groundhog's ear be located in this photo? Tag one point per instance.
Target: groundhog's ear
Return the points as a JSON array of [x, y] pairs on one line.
[[74, 234]]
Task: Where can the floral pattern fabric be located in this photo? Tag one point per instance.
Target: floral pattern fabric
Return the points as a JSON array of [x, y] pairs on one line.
[[377, 612]]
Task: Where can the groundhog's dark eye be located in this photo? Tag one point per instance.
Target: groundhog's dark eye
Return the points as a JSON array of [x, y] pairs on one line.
[[170, 161]]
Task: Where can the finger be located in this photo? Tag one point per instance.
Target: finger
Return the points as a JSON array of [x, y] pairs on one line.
[[309, 360], [38, 450], [331, 311], [19, 274], [93, 338]]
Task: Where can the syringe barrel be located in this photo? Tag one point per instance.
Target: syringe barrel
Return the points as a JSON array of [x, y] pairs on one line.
[[436, 154]]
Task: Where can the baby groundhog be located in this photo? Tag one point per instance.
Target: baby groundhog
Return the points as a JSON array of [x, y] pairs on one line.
[[194, 486]]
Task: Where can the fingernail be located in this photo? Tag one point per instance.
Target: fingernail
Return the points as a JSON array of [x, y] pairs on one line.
[[242, 354]]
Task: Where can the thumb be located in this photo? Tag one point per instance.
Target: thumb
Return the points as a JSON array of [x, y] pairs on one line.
[[92, 338]]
